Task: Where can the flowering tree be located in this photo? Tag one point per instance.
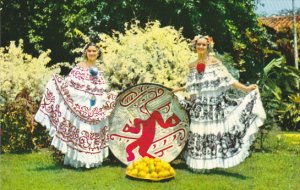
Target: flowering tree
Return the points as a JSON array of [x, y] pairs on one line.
[[22, 83], [22, 71], [150, 54]]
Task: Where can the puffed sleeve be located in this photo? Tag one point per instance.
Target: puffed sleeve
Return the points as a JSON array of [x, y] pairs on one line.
[[226, 75], [191, 83]]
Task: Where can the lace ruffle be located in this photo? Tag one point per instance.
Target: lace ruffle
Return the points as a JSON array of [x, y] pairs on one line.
[[225, 143], [78, 130]]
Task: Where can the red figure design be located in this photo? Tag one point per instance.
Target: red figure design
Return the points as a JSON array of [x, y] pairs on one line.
[[148, 132]]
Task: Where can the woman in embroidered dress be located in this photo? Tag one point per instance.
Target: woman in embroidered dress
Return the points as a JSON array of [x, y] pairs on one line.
[[222, 128], [75, 110]]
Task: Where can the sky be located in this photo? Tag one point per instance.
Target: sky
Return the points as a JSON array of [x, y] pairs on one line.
[[272, 7]]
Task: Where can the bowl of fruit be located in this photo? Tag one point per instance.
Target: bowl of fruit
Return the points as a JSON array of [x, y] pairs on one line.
[[153, 169]]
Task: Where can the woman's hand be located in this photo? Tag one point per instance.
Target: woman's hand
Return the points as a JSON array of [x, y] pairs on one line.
[[251, 87], [244, 88]]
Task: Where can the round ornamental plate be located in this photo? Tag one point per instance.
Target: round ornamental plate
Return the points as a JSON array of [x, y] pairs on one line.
[[147, 121]]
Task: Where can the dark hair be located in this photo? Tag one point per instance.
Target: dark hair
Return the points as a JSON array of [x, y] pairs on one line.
[[87, 46]]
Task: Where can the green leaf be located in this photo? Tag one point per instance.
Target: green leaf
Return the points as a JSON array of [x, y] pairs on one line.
[[276, 91], [272, 64]]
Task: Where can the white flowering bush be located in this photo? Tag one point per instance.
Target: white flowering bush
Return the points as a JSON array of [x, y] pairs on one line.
[[150, 54], [23, 79], [22, 71]]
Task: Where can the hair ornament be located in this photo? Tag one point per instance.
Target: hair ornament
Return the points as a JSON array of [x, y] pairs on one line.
[[210, 43]]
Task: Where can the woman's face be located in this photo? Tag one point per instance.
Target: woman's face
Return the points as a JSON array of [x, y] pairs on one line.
[[201, 45], [92, 53]]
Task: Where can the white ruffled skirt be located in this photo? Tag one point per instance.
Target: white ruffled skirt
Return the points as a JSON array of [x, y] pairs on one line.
[[223, 143], [84, 144]]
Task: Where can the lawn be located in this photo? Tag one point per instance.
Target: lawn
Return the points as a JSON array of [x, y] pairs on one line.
[[270, 169]]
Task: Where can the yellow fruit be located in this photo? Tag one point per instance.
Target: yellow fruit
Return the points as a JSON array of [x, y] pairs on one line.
[[134, 172], [142, 166], [134, 164], [137, 166], [157, 160], [166, 166], [148, 176], [151, 168], [172, 172], [158, 169], [161, 174], [154, 175], [151, 161], [166, 173], [142, 174], [147, 170], [137, 162], [146, 158], [129, 168]]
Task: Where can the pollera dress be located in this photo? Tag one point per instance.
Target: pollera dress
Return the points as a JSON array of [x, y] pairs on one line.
[[75, 111], [222, 128]]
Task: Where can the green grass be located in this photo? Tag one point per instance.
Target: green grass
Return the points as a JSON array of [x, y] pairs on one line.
[[278, 169]]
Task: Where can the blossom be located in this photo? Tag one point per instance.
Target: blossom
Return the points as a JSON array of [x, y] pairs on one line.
[[150, 54], [210, 40], [200, 67], [20, 70]]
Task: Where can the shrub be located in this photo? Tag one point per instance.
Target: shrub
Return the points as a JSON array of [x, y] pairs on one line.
[[150, 54], [57, 156], [19, 131], [278, 83], [20, 70], [22, 82], [289, 117]]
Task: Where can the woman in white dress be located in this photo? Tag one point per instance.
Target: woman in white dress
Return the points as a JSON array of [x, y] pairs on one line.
[[75, 109], [222, 128]]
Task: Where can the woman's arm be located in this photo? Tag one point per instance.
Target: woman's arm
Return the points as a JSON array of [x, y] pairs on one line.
[[236, 84], [242, 87], [179, 89]]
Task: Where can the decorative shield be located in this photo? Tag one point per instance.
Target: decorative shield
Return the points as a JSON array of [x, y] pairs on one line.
[[147, 121]]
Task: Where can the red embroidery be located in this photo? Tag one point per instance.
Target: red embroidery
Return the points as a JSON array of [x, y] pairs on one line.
[[82, 141], [91, 115], [79, 140], [48, 106], [83, 75]]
